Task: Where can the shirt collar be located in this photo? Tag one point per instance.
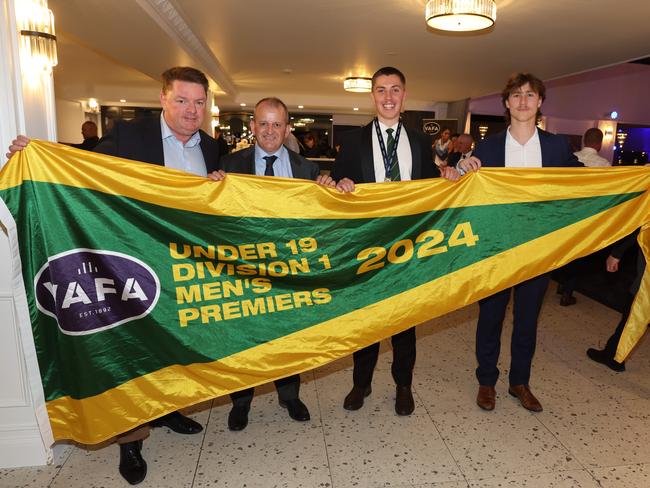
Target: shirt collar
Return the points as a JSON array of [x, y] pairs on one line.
[[512, 141], [167, 133], [260, 153], [383, 126]]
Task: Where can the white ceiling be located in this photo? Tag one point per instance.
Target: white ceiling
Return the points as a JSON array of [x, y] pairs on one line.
[[302, 50]]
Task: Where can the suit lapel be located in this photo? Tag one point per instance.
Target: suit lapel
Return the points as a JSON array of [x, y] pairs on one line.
[[156, 154], [500, 148], [208, 154], [297, 169], [416, 155], [544, 145], [367, 156]]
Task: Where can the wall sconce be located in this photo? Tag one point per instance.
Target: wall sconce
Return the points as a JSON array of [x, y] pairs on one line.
[[37, 37], [92, 106]]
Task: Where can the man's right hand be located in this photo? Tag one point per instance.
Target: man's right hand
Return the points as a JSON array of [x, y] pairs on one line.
[[346, 185], [18, 144], [612, 264]]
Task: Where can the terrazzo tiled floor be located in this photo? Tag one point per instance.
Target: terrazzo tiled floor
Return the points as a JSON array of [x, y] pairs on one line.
[[594, 431]]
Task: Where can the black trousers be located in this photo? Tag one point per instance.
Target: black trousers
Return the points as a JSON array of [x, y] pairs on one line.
[[288, 389], [612, 342], [528, 298], [365, 360]]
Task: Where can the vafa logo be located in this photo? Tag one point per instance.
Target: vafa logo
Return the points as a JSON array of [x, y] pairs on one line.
[[90, 290]]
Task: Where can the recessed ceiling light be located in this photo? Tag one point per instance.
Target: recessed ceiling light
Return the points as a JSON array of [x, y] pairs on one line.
[[122, 100], [356, 109]]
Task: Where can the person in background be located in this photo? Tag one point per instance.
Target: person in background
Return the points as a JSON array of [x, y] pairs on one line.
[[441, 148], [89, 133], [592, 143], [588, 155], [462, 149], [310, 146]]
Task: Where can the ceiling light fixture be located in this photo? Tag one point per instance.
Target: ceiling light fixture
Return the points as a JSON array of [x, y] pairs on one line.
[[357, 84], [460, 15]]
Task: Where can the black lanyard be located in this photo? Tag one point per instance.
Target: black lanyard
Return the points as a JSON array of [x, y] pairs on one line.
[[388, 160]]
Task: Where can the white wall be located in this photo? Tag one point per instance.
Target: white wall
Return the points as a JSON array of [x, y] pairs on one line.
[[69, 117]]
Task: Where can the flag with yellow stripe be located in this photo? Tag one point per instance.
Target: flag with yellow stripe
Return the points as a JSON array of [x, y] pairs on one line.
[[141, 290]]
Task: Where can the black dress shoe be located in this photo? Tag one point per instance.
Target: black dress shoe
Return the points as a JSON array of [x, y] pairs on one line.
[[404, 404], [238, 418], [566, 300], [178, 423], [133, 467], [297, 410], [354, 399], [600, 356]]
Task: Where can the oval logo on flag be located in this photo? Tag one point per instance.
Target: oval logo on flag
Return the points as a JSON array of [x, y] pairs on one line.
[[89, 290]]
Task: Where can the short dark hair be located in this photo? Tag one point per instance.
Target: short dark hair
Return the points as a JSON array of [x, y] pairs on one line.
[[388, 71], [274, 102], [515, 82], [183, 73], [593, 137]]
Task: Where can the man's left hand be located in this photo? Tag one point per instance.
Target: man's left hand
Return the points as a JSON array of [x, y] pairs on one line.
[[449, 173], [326, 180], [470, 164], [217, 175]]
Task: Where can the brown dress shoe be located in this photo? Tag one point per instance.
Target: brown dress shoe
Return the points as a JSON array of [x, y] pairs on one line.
[[526, 398], [354, 399], [486, 398], [404, 404]]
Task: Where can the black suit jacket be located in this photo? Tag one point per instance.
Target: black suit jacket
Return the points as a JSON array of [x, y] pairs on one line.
[[141, 140], [556, 151], [355, 159], [243, 162]]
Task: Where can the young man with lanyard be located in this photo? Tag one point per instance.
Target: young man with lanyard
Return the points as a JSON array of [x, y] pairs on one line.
[[385, 150]]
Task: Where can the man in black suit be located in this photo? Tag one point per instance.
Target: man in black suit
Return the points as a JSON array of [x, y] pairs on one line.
[[269, 157], [89, 133], [521, 145], [173, 140], [385, 150]]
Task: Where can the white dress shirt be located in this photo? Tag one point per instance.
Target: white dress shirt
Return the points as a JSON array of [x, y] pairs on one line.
[[590, 157], [404, 157], [281, 166], [528, 155], [185, 157]]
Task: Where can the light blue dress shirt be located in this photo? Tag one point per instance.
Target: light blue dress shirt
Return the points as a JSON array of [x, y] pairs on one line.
[[185, 157], [281, 166]]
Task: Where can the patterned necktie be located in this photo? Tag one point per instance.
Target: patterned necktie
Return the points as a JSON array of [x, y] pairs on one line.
[[393, 172], [269, 165]]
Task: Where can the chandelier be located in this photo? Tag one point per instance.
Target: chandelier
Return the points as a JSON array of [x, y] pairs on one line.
[[460, 15], [358, 84]]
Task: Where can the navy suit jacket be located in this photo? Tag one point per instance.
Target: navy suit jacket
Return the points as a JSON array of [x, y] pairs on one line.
[[243, 162], [556, 151], [355, 159], [141, 140]]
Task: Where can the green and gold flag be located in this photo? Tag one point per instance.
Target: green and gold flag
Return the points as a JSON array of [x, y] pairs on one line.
[[140, 290]]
